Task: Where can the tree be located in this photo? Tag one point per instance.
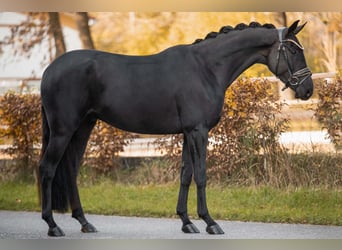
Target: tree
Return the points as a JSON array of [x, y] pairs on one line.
[[323, 38], [33, 31], [82, 21], [38, 26], [332, 26], [281, 18], [55, 29], [136, 33], [27, 34]]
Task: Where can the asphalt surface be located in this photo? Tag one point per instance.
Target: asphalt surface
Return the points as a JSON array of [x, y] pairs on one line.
[[28, 225]]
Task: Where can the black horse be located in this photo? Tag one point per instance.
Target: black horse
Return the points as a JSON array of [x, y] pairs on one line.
[[180, 90]]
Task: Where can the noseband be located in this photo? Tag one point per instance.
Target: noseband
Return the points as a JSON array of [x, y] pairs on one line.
[[298, 77]]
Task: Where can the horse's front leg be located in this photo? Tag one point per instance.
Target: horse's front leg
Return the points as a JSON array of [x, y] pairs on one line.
[[198, 140], [185, 181]]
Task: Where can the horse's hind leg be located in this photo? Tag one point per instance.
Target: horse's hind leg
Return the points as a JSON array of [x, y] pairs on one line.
[[72, 158], [51, 158]]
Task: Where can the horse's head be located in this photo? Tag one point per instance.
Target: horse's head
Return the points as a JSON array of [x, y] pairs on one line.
[[286, 60]]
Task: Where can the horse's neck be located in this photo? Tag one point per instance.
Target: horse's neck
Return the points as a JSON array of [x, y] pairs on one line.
[[230, 54]]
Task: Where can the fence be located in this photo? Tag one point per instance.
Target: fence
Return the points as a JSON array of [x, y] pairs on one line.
[[19, 85]]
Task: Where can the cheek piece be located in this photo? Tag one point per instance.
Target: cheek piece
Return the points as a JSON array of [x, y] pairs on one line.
[[295, 78]]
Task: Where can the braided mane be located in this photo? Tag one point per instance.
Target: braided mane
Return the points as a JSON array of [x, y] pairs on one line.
[[240, 26]]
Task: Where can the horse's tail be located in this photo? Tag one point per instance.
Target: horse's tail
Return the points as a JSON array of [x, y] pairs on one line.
[[45, 142], [61, 184]]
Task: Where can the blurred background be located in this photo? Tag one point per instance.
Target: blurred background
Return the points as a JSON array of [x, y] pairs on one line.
[[29, 41]]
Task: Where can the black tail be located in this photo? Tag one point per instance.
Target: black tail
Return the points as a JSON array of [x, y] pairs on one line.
[[61, 187], [61, 181], [45, 142]]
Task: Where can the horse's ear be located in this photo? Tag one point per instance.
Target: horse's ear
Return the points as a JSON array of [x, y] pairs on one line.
[[294, 28], [299, 28]]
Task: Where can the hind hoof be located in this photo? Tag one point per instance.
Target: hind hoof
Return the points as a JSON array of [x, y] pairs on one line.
[[88, 228], [214, 229], [56, 232], [190, 228]]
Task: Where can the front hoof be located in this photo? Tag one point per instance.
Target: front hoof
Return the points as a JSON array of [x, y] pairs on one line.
[[88, 228], [190, 228], [56, 232], [214, 229]]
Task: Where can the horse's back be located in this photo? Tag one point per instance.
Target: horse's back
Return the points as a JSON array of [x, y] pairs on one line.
[[116, 88]]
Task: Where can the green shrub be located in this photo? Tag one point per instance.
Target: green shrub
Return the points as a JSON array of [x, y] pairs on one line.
[[21, 125], [329, 109], [246, 139]]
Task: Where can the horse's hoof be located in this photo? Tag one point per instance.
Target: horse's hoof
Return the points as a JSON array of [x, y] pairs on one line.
[[190, 228], [56, 232], [88, 228], [214, 229]]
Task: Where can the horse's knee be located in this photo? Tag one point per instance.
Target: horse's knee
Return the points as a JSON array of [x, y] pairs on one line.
[[201, 181], [186, 175], [186, 181]]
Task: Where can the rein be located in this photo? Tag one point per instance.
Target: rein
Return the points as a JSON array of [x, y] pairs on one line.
[[298, 77]]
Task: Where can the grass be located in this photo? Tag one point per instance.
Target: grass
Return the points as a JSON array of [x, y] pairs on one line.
[[264, 204], [18, 196]]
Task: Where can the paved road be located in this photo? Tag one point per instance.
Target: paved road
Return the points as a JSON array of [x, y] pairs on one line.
[[28, 225]]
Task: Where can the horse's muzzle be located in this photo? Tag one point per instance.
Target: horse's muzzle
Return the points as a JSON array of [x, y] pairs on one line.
[[305, 90]]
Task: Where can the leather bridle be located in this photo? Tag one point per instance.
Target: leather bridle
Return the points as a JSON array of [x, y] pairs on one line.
[[298, 77]]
